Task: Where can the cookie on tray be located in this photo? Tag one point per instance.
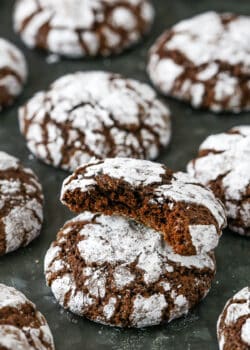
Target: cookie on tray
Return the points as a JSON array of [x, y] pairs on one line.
[[77, 28], [21, 205], [205, 61], [223, 164], [22, 326], [186, 213], [94, 114], [13, 72], [233, 328], [118, 272]]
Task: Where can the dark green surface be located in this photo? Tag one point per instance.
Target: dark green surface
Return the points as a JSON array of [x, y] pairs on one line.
[[24, 268]]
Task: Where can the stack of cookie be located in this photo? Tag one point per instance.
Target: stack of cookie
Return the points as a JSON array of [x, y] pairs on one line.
[[141, 251]]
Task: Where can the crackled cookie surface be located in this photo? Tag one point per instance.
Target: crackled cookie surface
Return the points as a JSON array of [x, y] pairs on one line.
[[13, 72], [223, 164], [76, 28], [205, 61], [22, 327], [94, 114], [21, 204], [115, 271], [187, 214], [233, 328]]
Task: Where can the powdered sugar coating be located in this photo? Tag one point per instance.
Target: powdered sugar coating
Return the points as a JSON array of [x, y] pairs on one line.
[[13, 72], [34, 335], [234, 321], [21, 204], [245, 332], [139, 174], [205, 60], [77, 28], [118, 256], [226, 162], [94, 114]]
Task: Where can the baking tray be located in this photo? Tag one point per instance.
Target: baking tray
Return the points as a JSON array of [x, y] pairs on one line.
[[24, 269]]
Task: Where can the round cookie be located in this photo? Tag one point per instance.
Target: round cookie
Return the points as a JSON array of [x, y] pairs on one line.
[[21, 205], [186, 213], [223, 164], [13, 72], [94, 114], [233, 328], [115, 271], [22, 327], [205, 61], [77, 28]]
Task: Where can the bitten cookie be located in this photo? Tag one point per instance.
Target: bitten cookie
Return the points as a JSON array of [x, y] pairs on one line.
[[186, 213], [115, 271], [205, 61], [22, 327], [21, 205], [94, 114], [233, 328], [13, 72], [223, 164], [77, 28]]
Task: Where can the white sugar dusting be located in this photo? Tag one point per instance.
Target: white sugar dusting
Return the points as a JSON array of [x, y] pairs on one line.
[[12, 58], [232, 163], [204, 41], [236, 308], [21, 225], [24, 213], [91, 101], [181, 306], [90, 18], [245, 332], [133, 171], [10, 297], [109, 308], [148, 310], [204, 235], [12, 337], [123, 277], [8, 162]]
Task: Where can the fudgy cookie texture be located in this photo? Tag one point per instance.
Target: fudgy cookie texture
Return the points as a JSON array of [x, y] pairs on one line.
[[115, 271], [233, 328], [77, 28], [22, 327], [186, 213], [94, 114], [205, 61], [223, 164], [21, 205], [13, 72]]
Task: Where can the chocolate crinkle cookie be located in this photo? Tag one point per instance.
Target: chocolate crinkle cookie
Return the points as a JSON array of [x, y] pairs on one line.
[[118, 272], [21, 205], [13, 72], [233, 328], [22, 327], [113, 265], [94, 114], [77, 28], [205, 61], [223, 164]]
